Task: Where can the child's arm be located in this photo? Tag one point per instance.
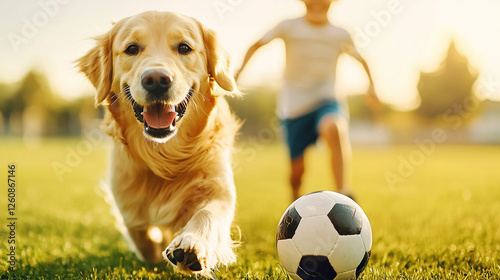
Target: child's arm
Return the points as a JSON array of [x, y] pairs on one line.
[[249, 54], [277, 32], [371, 98]]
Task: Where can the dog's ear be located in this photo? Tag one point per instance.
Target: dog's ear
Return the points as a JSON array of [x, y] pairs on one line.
[[97, 65], [218, 63]]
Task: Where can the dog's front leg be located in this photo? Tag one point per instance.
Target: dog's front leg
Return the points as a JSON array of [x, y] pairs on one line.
[[146, 249], [206, 240]]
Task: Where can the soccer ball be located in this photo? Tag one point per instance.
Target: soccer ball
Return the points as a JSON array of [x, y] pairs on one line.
[[324, 235]]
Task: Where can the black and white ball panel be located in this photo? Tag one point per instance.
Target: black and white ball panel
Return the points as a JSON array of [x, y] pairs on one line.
[[288, 224], [322, 204], [346, 219], [289, 254], [315, 267], [347, 251], [363, 263], [366, 234], [315, 236]]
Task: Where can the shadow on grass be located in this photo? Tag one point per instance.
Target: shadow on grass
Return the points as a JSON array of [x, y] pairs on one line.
[[122, 264], [61, 249], [113, 264], [64, 247]]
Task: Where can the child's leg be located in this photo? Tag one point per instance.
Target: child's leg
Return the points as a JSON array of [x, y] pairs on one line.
[[334, 130], [298, 135], [297, 170]]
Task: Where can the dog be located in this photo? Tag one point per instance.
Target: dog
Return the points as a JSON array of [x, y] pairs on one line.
[[162, 78]]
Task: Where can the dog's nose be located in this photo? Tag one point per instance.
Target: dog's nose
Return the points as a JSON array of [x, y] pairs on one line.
[[156, 81]]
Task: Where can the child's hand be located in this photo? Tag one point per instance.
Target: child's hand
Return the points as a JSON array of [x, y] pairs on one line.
[[372, 100]]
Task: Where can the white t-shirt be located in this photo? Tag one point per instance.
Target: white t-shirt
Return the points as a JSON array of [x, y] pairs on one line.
[[311, 61]]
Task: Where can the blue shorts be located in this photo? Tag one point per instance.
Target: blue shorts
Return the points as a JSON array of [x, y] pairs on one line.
[[303, 131]]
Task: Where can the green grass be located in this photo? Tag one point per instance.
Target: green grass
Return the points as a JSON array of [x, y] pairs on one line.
[[440, 221]]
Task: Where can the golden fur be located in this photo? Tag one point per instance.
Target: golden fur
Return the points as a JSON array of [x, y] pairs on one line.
[[182, 184]]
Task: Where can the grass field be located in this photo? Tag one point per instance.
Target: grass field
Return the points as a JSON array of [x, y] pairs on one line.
[[435, 217]]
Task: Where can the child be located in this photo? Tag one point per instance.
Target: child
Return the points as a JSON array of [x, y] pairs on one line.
[[307, 104]]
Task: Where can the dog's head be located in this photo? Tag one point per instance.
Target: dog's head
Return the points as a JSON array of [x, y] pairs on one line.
[[153, 64]]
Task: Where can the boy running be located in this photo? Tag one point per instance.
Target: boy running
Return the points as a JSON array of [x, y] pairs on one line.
[[307, 105]]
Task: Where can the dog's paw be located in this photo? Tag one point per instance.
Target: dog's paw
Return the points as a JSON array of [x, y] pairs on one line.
[[184, 260], [188, 255]]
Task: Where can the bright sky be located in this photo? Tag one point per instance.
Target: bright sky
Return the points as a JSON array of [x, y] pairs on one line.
[[398, 38]]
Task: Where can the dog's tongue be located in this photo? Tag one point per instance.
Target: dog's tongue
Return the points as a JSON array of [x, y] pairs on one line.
[[159, 115]]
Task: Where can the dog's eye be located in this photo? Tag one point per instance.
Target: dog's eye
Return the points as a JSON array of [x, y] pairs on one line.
[[132, 49], [184, 49]]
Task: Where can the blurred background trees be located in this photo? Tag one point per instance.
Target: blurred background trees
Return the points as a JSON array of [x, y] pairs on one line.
[[31, 109], [448, 87]]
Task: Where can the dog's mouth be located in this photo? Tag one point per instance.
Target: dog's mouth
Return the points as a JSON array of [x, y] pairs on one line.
[[159, 118]]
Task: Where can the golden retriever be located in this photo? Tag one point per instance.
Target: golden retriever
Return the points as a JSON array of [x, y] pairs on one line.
[[162, 77]]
